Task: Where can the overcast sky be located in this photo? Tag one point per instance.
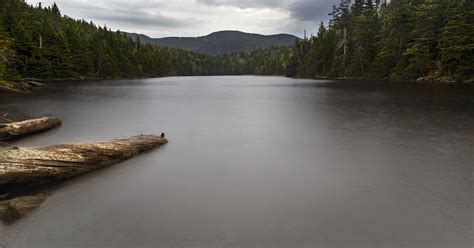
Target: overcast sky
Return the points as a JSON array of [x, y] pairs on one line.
[[160, 18]]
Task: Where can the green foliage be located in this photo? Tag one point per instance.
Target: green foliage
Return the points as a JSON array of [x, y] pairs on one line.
[[222, 42], [38, 42], [404, 39], [3, 50], [270, 61], [456, 43]]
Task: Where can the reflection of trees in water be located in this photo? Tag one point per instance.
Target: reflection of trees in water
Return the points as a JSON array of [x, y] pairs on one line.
[[399, 113]]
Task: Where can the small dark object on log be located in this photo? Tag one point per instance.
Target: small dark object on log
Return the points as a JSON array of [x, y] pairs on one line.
[[14, 130]]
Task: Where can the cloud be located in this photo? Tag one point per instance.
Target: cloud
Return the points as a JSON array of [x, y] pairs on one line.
[[131, 14], [301, 10], [159, 18], [311, 10], [244, 4]]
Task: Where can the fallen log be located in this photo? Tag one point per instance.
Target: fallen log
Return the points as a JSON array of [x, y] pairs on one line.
[[9, 131], [35, 84], [34, 166]]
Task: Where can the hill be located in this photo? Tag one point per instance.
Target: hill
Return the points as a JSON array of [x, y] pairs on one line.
[[221, 42]]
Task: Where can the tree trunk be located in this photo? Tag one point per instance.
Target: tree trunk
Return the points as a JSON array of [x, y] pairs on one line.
[[9, 131], [34, 166], [31, 169]]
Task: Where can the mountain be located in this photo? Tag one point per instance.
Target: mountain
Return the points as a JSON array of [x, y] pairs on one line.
[[221, 42]]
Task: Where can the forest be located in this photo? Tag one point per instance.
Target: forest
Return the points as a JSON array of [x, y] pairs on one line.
[[39, 42], [422, 40]]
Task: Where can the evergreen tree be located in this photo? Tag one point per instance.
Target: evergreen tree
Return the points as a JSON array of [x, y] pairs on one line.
[[399, 39], [456, 43]]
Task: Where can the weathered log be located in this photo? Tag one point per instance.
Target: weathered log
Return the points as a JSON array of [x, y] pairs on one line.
[[9, 131], [35, 84], [33, 166], [29, 168]]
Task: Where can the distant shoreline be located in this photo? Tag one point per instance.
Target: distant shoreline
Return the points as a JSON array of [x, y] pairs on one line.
[[28, 85], [434, 80]]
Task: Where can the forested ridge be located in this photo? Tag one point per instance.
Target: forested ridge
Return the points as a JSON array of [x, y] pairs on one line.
[[221, 42], [39, 42], [430, 40]]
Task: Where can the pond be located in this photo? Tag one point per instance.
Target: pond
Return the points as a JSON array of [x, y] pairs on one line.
[[259, 162]]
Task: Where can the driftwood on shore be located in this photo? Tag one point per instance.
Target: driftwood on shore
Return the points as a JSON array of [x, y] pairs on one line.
[[9, 131], [57, 162]]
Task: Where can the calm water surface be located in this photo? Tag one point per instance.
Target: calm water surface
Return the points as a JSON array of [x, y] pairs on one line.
[[259, 162]]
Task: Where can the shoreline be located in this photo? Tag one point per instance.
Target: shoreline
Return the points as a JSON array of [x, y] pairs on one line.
[[430, 80], [24, 86], [28, 85]]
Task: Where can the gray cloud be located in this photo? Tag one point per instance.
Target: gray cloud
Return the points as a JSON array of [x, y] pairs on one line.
[[125, 13], [159, 18], [143, 20], [245, 3], [300, 10], [311, 10]]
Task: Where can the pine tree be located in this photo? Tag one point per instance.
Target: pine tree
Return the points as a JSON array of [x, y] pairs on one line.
[[55, 10], [341, 23], [457, 41]]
